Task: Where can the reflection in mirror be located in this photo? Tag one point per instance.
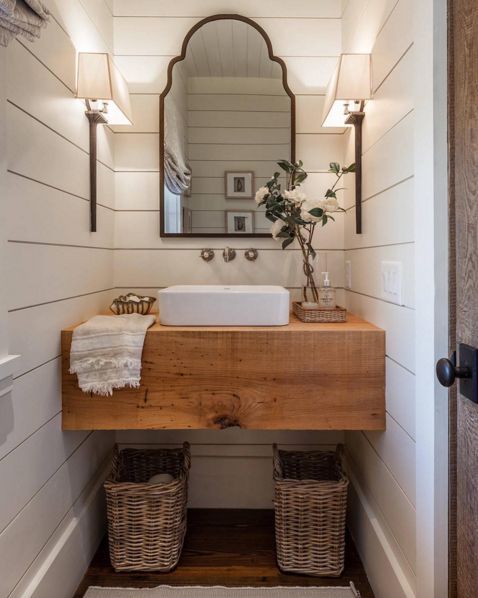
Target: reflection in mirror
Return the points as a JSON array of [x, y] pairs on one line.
[[227, 118]]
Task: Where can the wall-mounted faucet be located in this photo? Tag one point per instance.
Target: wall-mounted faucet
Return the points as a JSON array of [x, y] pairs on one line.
[[228, 254], [207, 254]]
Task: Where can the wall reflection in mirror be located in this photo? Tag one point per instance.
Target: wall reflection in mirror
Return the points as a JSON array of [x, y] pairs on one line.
[[227, 119]]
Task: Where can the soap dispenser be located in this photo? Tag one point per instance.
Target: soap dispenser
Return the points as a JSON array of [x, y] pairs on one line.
[[326, 293]]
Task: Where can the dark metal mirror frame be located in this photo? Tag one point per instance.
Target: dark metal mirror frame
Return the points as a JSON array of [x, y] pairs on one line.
[[162, 98]]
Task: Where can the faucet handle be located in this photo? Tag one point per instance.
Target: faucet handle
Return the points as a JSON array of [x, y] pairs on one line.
[[207, 254], [251, 254]]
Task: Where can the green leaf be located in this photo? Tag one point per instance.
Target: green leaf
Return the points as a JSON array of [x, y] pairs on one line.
[[330, 193], [334, 167], [300, 178], [285, 165], [287, 242], [317, 212], [284, 234], [324, 219], [350, 168]]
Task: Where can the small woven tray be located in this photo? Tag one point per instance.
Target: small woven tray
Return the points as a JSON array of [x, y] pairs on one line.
[[132, 304], [319, 315]]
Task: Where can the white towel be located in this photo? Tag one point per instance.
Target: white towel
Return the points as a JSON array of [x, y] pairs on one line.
[[21, 17], [106, 352]]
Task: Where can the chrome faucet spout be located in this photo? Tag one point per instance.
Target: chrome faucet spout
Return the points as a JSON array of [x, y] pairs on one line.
[[228, 254]]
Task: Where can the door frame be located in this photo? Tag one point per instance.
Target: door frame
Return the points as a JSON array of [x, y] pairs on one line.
[[432, 292]]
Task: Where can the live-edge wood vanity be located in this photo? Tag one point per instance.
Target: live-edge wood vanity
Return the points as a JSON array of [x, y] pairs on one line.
[[295, 377]]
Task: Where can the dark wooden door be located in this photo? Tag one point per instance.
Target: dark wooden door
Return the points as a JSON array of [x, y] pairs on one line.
[[463, 94]]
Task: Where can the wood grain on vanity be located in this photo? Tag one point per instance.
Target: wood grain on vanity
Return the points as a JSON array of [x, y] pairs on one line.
[[295, 377]]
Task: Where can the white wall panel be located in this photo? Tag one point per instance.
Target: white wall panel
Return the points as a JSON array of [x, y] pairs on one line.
[[250, 8], [34, 332], [151, 268], [383, 518], [56, 51], [70, 225], [401, 396], [137, 190], [399, 323], [392, 102], [396, 511], [43, 469], [135, 151], [155, 36], [71, 268], [386, 218], [25, 470], [393, 41], [366, 264], [36, 400], [145, 111], [396, 148], [38, 520], [42, 95], [28, 139]]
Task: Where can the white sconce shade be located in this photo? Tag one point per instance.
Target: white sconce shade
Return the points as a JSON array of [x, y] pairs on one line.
[[351, 82], [99, 79]]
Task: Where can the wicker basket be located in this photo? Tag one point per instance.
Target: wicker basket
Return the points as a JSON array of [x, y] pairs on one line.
[[310, 507], [147, 522], [318, 315]]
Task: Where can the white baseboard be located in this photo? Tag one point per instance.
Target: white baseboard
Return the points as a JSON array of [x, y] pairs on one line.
[[386, 573], [60, 566]]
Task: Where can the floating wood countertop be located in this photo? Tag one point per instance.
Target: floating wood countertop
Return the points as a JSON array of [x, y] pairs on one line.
[[295, 377]]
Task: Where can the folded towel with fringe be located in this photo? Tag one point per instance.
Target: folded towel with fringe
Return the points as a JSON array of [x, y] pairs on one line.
[[21, 17], [106, 352]]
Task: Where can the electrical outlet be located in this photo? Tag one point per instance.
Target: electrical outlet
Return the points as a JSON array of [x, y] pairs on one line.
[[348, 274], [392, 282]]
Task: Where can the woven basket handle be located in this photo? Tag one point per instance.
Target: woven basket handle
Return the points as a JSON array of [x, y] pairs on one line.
[[276, 462], [187, 455], [115, 464], [339, 451]]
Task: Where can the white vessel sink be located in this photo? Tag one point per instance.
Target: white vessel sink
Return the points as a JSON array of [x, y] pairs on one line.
[[217, 305]]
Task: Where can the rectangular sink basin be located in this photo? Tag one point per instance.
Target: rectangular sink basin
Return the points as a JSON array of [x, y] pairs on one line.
[[223, 305]]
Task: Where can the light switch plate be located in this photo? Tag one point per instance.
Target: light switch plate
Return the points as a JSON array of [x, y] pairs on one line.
[[348, 274], [391, 273]]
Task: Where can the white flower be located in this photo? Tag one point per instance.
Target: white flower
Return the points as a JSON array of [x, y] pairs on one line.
[[295, 196], [277, 227], [261, 194], [330, 204], [308, 205]]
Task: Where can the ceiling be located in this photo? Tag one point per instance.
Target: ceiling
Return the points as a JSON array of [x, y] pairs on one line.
[[229, 48]]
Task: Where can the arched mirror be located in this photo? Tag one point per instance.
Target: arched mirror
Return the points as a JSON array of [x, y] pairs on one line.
[[226, 116]]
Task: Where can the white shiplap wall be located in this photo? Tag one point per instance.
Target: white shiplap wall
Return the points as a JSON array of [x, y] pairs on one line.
[[383, 514], [253, 125], [51, 511], [307, 35]]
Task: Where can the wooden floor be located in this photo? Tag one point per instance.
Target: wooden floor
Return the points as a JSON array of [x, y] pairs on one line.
[[228, 548]]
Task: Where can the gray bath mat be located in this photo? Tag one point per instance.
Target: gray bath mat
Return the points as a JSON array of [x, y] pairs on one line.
[[220, 592]]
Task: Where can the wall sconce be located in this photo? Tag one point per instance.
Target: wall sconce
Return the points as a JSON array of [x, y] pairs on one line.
[[106, 96], [349, 87]]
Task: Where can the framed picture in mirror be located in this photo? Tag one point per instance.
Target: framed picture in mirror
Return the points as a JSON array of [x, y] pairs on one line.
[[239, 185], [239, 222]]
